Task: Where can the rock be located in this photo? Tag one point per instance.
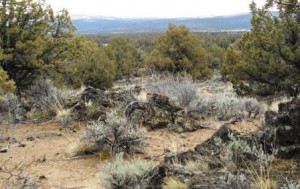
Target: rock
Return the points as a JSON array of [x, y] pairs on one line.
[[22, 145], [156, 177], [3, 149], [288, 151], [30, 138], [270, 117], [95, 95], [11, 140], [180, 157], [163, 103], [121, 97], [42, 177], [79, 111], [286, 128], [209, 145]]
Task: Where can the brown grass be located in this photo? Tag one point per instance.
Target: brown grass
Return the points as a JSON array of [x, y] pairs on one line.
[[173, 183]]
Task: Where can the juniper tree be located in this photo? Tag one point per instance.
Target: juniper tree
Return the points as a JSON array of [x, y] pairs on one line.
[[33, 40], [178, 50], [267, 59]]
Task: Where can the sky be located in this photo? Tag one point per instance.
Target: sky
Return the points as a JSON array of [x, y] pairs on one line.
[[152, 8]]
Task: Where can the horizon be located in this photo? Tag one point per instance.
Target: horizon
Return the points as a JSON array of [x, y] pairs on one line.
[[155, 9]]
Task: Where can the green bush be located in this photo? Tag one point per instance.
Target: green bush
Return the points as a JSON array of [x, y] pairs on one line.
[[178, 50]]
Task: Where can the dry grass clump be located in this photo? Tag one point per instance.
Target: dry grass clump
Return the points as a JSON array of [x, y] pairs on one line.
[[125, 174], [173, 183], [263, 183], [115, 135], [64, 117], [78, 148]]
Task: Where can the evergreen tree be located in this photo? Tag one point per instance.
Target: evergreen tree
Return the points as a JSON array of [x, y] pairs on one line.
[[6, 85], [178, 50], [92, 66], [33, 40], [267, 59], [124, 54]]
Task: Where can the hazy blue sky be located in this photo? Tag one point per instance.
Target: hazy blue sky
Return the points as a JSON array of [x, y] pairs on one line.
[[153, 8]]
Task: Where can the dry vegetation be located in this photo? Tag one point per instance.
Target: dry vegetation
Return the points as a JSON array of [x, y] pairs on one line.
[[126, 153]]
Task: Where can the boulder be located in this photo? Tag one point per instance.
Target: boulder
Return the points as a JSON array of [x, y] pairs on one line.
[[96, 96], [286, 127]]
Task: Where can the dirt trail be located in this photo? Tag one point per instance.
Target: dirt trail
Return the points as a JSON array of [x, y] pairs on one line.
[[46, 145]]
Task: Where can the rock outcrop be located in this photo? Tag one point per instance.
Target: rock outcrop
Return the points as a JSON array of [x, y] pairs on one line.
[[285, 127]]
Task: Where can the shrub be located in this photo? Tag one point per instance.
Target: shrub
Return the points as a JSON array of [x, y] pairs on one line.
[[5, 83], [180, 89], [251, 105], [290, 185], [227, 107], [48, 99], [114, 135], [64, 117], [10, 108], [183, 91], [17, 176], [177, 51], [121, 174]]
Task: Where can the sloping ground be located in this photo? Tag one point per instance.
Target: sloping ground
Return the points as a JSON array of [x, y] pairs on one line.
[[44, 152], [42, 148]]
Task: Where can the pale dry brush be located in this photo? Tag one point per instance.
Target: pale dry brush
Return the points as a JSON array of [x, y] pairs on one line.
[[121, 174], [115, 135]]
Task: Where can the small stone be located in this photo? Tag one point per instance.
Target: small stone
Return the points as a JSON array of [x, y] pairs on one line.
[[42, 177], [3, 150], [21, 145], [166, 150], [30, 138]]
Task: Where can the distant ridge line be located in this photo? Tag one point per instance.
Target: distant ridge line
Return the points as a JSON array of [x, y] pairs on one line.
[[240, 22]]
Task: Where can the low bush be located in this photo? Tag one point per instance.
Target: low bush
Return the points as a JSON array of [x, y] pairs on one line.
[[183, 91], [291, 185], [225, 107], [10, 108], [64, 117], [115, 135], [180, 89], [121, 174], [47, 99]]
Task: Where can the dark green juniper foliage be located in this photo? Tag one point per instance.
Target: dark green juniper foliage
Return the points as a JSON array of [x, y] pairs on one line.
[[267, 59], [177, 51], [32, 39]]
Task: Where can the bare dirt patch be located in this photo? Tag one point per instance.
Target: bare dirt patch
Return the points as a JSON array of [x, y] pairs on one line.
[[44, 148]]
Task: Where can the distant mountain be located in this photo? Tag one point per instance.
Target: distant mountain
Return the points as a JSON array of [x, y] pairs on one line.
[[118, 25]]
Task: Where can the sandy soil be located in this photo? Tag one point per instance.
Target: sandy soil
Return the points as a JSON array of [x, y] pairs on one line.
[[43, 149]]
